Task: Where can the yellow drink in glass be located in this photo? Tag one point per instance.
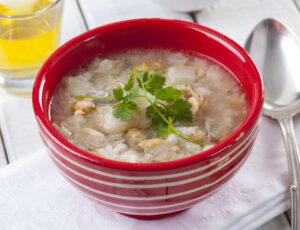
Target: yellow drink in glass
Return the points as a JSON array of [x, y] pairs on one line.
[[28, 35]]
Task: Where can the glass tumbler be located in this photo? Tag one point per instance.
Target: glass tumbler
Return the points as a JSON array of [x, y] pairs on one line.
[[26, 41]]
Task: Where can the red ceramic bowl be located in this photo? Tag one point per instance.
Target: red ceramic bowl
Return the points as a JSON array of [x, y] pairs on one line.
[[156, 189]]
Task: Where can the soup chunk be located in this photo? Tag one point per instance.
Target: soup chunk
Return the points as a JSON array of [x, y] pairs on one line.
[[148, 106]]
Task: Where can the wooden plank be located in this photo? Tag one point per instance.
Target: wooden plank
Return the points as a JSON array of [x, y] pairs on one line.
[[297, 4], [278, 223], [72, 23], [16, 118], [19, 129], [100, 12], [236, 18], [288, 215], [3, 153], [3, 159]]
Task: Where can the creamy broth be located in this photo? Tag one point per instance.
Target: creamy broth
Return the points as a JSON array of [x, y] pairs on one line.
[[218, 107]]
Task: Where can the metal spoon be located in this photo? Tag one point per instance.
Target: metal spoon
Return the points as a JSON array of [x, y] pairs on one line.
[[276, 51]]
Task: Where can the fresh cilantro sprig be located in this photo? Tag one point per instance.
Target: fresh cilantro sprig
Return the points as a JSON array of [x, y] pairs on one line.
[[166, 105]]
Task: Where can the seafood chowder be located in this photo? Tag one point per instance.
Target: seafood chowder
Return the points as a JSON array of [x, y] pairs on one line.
[[147, 106]]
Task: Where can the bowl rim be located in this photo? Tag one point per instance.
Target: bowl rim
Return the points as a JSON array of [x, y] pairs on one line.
[[252, 115]]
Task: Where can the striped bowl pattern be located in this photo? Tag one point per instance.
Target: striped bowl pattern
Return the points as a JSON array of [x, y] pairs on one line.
[[158, 189], [143, 194]]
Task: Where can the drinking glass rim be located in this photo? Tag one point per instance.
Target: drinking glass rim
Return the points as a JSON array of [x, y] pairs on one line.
[[21, 16]]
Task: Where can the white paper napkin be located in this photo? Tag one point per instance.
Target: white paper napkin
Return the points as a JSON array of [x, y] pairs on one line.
[[33, 195]]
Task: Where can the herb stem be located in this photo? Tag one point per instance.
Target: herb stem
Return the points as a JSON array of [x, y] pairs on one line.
[[189, 140], [158, 102], [156, 109], [153, 105], [95, 97], [174, 130]]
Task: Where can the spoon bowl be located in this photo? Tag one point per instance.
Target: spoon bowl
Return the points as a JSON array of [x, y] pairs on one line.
[[276, 51]]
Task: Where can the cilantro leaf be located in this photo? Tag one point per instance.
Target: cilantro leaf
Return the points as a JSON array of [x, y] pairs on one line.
[[142, 76], [168, 94], [124, 110], [118, 94], [155, 82], [145, 75], [154, 116], [129, 84], [180, 111], [162, 131]]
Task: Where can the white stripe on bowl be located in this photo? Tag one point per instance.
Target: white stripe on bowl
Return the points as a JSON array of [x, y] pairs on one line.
[[146, 177], [151, 197], [149, 207], [143, 214], [160, 185]]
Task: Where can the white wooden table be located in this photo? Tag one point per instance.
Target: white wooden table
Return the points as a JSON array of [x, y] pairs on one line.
[[234, 18]]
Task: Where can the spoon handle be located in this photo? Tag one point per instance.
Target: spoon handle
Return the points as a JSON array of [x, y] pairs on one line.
[[293, 157]]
